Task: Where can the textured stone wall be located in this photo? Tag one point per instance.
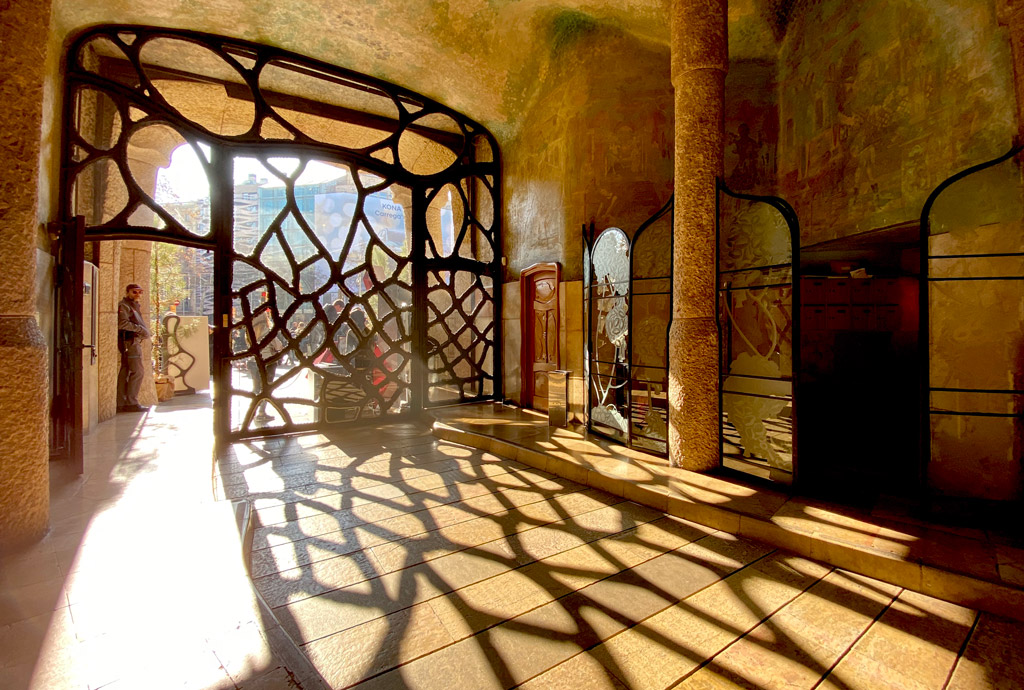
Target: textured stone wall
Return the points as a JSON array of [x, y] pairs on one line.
[[135, 268], [890, 100], [595, 145], [24, 423]]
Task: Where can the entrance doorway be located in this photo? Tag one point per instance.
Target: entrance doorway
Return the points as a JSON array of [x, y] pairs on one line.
[[352, 223]]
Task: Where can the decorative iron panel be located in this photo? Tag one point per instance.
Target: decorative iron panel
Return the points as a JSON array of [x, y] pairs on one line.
[[324, 186], [627, 307], [972, 260], [758, 251]]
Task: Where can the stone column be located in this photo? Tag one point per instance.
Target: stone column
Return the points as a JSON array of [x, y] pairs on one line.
[[700, 59], [24, 384], [1011, 15]]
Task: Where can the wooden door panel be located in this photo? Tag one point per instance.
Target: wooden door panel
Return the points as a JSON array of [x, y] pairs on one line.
[[539, 296]]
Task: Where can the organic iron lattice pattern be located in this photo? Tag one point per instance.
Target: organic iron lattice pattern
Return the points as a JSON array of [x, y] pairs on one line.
[[460, 328], [324, 186], [332, 365]]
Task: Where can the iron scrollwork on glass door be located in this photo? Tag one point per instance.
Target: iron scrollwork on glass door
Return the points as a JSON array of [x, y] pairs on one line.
[[757, 289], [353, 222], [627, 307]]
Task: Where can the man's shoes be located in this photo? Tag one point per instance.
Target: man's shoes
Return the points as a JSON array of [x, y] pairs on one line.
[[133, 408]]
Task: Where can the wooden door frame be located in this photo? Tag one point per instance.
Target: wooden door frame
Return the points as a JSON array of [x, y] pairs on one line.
[[526, 323]]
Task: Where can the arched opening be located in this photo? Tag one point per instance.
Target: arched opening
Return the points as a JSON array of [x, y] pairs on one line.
[[352, 224]]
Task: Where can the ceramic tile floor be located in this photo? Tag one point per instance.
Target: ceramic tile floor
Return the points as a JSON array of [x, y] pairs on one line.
[[400, 561], [140, 583], [972, 566]]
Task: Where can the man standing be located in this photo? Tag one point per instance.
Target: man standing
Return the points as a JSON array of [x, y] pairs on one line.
[[131, 331]]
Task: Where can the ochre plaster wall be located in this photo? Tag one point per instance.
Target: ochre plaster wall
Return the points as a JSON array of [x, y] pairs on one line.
[[480, 57], [880, 101], [596, 145]]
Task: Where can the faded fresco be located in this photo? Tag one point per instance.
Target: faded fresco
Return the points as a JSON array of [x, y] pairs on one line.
[[751, 127], [596, 146], [877, 111]]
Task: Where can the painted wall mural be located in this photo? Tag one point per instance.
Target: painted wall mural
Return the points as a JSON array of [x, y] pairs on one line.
[[751, 127], [877, 111]]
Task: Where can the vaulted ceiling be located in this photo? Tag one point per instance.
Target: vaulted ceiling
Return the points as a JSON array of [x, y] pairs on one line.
[[481, 57]]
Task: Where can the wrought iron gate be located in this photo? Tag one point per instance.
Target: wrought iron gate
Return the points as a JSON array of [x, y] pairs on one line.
[[354, 223], [627, 307], [758, 287], [972, 329]]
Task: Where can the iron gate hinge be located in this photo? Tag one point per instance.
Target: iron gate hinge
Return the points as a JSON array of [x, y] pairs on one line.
[[56, 228]]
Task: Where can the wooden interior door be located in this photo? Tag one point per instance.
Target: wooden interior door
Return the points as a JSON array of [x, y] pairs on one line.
[[539, 295]]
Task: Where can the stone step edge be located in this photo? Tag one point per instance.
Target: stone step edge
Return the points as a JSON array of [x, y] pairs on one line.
[[957, 588]]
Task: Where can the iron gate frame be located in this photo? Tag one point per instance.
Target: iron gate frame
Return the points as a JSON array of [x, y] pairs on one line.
[[924, 324], [590, 240], [77, 154], [788, 214]]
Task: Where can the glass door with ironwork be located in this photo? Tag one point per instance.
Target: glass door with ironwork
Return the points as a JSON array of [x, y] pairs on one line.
[[758, 245]]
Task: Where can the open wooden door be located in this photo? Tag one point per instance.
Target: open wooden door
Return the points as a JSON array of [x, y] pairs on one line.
[[539, 295], [66, 406]]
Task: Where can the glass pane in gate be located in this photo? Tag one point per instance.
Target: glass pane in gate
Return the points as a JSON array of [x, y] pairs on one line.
[[755, 306], [321, 295], [975, 272], [608, 297]]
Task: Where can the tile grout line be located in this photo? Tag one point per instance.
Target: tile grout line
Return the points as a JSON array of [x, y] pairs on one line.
[[356, 461], [547, 603], [426, 493], [376, 499], [365, 525], [857, 639], [708, 661], [392, 482], [461, 550], [963, 649], [659, 611]]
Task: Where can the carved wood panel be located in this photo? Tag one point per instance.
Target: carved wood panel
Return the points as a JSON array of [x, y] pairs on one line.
[[539, 294]]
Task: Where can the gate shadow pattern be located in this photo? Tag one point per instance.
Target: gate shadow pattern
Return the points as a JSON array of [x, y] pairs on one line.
[[418, 563]]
